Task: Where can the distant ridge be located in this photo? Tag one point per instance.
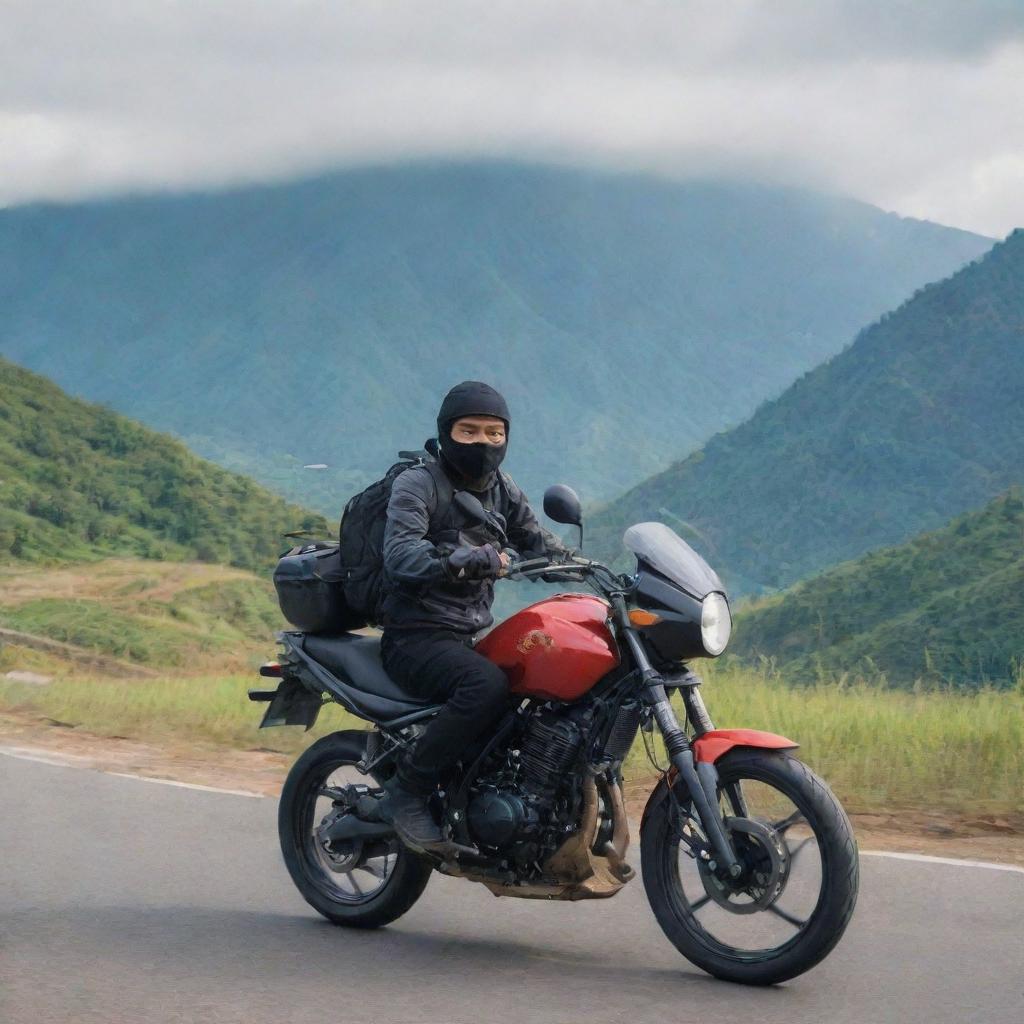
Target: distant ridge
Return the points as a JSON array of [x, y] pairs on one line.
[[79, 482], [320, 321], [947, 606], [920, 419]]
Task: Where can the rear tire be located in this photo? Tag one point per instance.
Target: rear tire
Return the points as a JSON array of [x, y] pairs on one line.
[[408, 874], [823, 816]]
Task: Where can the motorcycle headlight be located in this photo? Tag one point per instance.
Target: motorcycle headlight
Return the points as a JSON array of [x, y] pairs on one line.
[[715, 624]]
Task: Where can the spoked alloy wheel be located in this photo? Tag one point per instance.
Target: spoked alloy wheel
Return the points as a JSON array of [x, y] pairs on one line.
[[797, 891], [352, 870], [362, 883]]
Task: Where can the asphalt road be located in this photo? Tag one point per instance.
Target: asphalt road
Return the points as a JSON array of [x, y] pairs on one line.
[[126, 901]]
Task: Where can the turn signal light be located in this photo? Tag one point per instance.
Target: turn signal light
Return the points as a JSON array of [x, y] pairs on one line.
[[640, 617], [271, 670]]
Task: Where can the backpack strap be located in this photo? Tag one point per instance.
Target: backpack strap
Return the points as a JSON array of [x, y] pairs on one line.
[[444, 494]]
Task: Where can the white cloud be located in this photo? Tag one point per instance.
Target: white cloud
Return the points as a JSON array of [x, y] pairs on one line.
[[917, 107]]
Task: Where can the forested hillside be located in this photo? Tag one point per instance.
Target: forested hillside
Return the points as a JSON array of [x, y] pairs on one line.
[[78, 481], [948, 606], [920, 419], [626, 318]]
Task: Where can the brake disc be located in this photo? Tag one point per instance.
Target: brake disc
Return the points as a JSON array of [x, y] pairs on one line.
[[762, 854]]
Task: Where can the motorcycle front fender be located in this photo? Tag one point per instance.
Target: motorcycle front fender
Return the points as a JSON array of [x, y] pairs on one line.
[[714, 745]]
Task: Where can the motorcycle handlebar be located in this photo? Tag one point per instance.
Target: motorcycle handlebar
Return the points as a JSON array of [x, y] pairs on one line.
[[576, 565]]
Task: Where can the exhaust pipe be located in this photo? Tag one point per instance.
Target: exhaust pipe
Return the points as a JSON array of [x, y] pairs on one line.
[[348, 826]]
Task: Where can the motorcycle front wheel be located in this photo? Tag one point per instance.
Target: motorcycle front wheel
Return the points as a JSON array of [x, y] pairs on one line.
[[798, 889], [361, 884]]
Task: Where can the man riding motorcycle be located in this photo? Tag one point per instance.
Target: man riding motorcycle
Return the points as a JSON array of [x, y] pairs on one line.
[[440, 563], [518, 743]]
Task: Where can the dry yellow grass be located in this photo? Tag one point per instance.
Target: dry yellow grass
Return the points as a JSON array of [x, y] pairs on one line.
[[120, 582]]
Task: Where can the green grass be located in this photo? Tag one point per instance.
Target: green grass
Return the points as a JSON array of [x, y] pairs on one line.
[[205, 710], [96, 627], [171, 616], [883, 749], [879, 749], [153, 634]]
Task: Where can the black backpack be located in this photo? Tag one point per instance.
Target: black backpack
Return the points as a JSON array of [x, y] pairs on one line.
[[361, 534]]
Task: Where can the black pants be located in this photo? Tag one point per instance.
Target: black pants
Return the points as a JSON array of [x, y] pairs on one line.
[[442, 666]]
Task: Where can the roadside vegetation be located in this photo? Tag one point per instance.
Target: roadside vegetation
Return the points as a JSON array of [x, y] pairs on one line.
[[193, 634], [880, 749]]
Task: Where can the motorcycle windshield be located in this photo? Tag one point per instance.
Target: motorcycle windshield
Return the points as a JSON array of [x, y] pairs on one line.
[[667, 553]]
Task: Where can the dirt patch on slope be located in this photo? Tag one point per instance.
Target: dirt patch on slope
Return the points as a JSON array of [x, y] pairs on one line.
[[126, 579]]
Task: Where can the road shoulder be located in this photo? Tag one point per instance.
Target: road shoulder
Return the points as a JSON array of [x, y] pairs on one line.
[[262, 770]]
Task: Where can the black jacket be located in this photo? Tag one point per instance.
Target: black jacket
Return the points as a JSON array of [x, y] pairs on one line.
[[420, 594]]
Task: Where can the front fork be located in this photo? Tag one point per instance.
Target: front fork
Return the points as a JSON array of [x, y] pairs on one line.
[[699, 778]]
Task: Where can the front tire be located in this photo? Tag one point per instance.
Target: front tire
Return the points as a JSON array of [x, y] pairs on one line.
[[679, 888], [399, 876]]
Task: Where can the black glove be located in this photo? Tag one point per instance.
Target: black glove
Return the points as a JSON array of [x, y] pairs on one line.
[[473, 563]]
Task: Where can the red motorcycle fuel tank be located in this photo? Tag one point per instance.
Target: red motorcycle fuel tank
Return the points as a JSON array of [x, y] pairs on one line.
[[556, 649]]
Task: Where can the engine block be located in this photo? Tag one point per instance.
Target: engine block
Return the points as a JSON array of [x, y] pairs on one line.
[[515, 810], [548, 751]]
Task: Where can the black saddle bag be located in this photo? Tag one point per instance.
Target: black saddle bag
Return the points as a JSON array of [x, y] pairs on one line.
[[309, 584]]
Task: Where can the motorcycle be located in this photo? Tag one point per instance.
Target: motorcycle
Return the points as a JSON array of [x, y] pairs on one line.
[[748, 860]]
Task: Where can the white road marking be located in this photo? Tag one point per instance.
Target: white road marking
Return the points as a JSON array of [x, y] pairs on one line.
[[77, 761], [187, 785], [30, 754], [954, 861]]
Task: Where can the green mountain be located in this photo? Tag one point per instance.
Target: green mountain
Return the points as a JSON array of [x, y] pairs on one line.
[[946, 606], [920, 419], [626, 318], [78, 481]]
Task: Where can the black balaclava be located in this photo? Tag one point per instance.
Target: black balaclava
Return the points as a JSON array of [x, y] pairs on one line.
[[471, 398]]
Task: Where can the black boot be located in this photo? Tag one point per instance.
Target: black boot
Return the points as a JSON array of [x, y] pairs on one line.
[[413, 821]]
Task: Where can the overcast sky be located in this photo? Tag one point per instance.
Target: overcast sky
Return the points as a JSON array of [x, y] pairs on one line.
[[914, 105]]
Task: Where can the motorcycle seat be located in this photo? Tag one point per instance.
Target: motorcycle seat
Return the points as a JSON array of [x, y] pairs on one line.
[[356, 661]]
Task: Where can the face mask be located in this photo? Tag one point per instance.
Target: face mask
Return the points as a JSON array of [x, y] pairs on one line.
[[474, 460]]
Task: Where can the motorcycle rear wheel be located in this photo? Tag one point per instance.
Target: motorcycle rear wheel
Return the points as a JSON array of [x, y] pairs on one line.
[[326, 885], [817, 818]]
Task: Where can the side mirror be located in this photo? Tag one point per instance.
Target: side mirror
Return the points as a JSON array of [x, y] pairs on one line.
[[562, 504]]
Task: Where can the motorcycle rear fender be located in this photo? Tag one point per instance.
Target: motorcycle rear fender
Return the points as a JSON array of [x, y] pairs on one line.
[[716, 744], [290, 704]]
